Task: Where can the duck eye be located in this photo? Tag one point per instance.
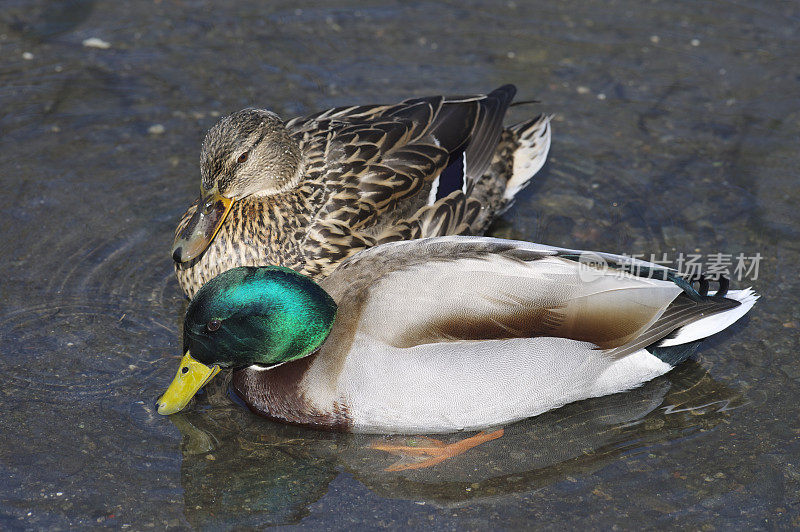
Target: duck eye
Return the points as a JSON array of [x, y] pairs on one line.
[[243, 157], [213, 325]]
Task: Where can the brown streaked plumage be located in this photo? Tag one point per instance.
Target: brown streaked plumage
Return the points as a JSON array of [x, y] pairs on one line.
[[314, 191]]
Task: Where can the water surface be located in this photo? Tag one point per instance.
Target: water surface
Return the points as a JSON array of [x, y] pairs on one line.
[[676, 130]]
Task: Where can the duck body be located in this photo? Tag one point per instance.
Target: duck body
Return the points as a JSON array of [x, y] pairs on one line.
[[456, 333], [432, 389], [311, 192]]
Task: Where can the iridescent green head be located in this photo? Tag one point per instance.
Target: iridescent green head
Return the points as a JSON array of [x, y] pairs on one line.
[[251, 315], [244, 316]]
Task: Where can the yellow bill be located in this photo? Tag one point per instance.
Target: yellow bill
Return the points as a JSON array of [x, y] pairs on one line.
[[202, 227], [192, 375]]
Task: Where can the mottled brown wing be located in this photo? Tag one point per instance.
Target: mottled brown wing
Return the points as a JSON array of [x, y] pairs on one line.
[[452, 215], [303, 124], [396, 151], [488, 129], [377, 166]]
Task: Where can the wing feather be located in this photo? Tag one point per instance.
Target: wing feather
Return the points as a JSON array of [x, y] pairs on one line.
[[488, 128], [377, 168], [451, 289]]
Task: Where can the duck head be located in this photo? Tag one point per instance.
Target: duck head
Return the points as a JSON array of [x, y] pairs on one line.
[[248, 316], [247, 153]]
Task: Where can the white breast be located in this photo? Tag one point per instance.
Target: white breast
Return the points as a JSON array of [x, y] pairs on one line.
[[470, 385]]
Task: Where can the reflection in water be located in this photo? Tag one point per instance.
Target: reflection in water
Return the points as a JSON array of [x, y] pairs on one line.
[[241, 469], [238, 470]]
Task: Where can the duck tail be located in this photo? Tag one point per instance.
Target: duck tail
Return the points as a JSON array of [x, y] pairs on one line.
[[532, 140], [521, 153], [683, 342], [692, 316], [713, 323]]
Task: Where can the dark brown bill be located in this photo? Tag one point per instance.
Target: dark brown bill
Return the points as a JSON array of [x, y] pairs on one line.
[[196, 235]]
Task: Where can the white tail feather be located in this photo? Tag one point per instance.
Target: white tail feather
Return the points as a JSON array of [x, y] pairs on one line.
[[530, 156], [705, 327]]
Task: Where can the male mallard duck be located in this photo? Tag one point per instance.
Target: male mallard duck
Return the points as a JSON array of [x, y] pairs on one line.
[[309, 193], [444, 334]]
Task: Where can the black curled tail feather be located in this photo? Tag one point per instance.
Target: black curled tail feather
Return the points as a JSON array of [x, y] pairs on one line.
[[674, 354]]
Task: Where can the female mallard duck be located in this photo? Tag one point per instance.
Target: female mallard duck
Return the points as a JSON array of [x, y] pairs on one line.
[[309, 193], [444, 334]]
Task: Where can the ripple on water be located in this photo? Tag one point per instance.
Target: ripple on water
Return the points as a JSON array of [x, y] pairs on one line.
[[128, 267], [74, 349], [95, 319]]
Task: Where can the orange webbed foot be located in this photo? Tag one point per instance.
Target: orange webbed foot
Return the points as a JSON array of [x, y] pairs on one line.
[[437, 450]]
